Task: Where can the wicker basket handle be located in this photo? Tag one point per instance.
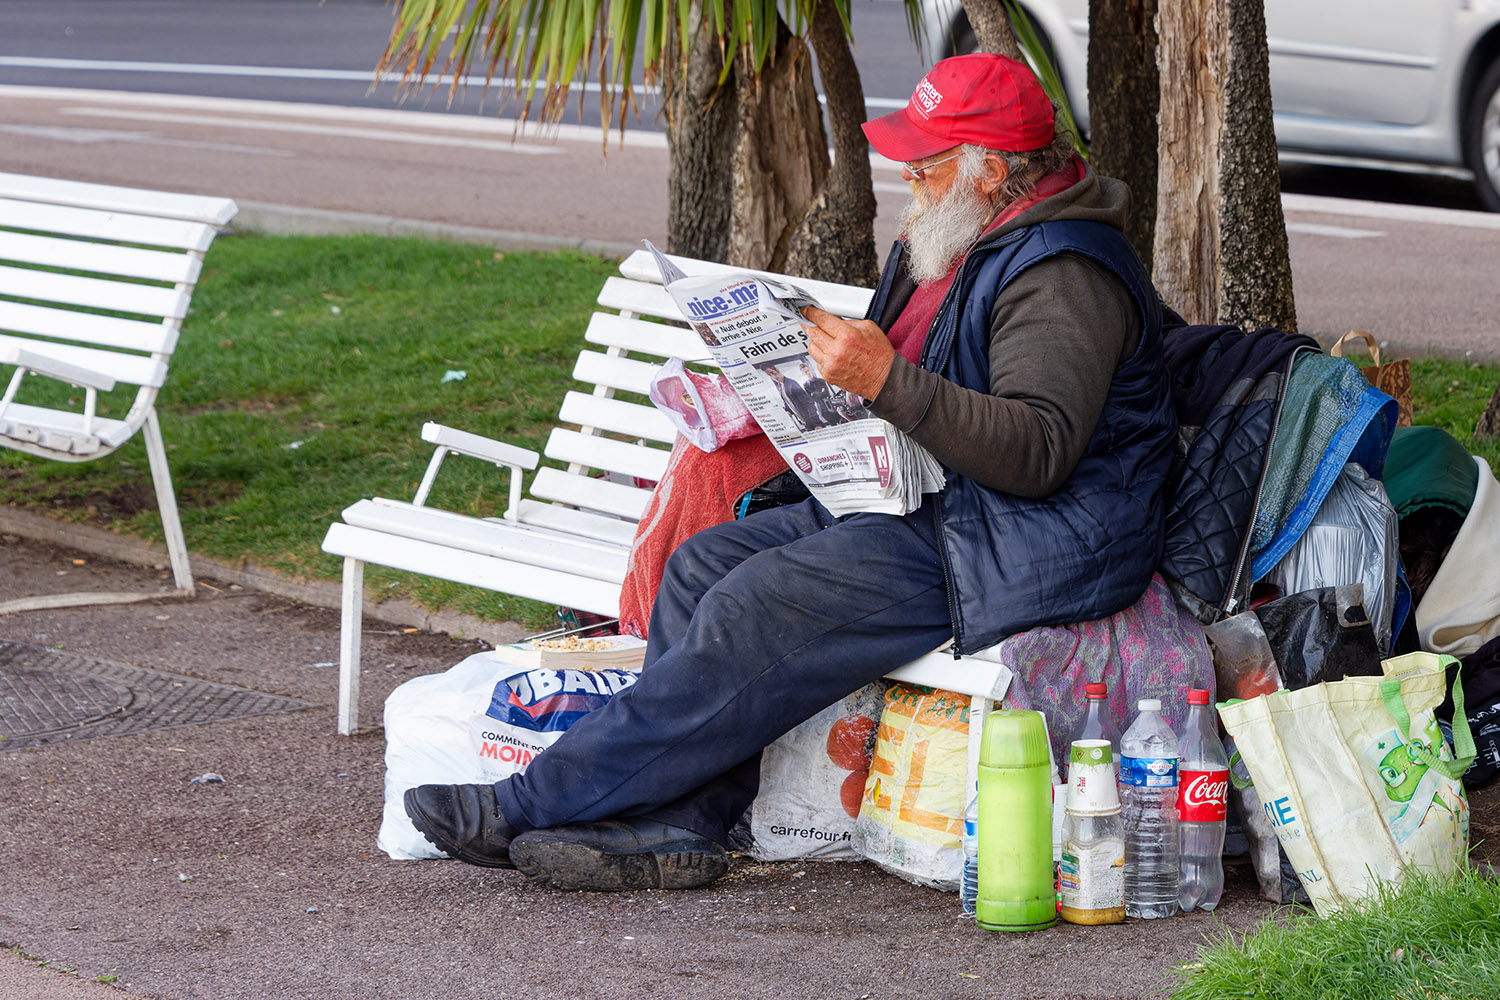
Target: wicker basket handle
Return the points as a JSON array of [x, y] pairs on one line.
[[1337, 350]]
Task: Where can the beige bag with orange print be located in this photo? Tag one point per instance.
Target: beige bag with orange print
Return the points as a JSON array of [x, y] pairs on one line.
[[911, 817]]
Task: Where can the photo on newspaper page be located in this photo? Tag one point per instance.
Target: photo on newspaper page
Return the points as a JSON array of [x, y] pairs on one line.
[[850, 460]]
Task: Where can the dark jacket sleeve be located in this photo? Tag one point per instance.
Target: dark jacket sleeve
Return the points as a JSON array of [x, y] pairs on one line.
[[1057, 333]]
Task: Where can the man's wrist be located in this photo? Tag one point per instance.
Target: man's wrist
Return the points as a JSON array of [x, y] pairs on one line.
[[905, 394]]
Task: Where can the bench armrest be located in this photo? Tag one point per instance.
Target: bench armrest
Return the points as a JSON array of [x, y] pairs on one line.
[[506, 456], [41, 364], [478, 446], [53, 368]]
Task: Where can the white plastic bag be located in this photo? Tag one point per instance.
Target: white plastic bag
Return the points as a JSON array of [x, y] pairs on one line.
[[811, 783], [1352, 539], [479, 721]]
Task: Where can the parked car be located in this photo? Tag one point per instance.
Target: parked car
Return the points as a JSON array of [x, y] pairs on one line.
[[1408, 82]]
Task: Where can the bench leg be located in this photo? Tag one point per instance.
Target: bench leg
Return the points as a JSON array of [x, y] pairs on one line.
[[166, 500], [351, 624]]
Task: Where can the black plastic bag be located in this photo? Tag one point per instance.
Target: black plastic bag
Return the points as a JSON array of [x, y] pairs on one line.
[[1481, 686], [1320, 635]]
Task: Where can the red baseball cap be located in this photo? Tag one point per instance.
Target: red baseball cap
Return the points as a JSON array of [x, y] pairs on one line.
[[984, 99]]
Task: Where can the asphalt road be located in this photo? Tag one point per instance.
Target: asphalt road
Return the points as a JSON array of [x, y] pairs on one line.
[[270, 101], [1418, 278]]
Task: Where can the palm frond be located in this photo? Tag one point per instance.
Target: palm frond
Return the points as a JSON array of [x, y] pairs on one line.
[[540, 49]]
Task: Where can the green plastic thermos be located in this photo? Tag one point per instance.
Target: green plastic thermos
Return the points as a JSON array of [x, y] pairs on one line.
[[1016, 891]]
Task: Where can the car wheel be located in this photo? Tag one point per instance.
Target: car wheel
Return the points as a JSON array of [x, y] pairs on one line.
[[1482, 138]]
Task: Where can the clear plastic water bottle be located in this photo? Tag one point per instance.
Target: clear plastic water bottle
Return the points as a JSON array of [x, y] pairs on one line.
[[1148, 807], [1203, 794], [1098, 724], [968, 890]]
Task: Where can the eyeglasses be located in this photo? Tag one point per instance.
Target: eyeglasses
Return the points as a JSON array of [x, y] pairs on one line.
[[920, 172]]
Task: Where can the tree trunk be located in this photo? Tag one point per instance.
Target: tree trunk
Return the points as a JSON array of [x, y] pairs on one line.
[[835, 240], [780, 155], [1489, 420], [992, 30], [700, 135], [1220, 243], [1124, 95]]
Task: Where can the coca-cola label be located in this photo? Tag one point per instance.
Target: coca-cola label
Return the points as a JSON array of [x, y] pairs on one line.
[[1202, 796]]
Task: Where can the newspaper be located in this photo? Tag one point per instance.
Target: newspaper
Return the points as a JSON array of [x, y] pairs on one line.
[[850, 460]]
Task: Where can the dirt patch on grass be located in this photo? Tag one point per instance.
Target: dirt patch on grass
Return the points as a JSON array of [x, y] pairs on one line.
[[1484, 823], [107, 507]]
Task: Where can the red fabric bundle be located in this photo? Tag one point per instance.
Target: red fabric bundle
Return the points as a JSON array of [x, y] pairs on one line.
[[698, 490]]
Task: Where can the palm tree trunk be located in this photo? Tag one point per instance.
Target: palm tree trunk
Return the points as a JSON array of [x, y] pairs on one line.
[[1221, 250], [835, 240], [700, 135], [992, 30], [1124, 94], [780, 157]]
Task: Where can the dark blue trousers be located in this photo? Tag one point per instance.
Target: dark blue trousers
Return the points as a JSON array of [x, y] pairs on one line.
[[758, 625]]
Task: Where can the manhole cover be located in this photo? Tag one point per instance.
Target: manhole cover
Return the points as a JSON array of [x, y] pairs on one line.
[[37, 702], [53, 696]]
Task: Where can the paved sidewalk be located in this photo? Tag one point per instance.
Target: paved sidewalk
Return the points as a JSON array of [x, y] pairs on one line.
[[270, 885]]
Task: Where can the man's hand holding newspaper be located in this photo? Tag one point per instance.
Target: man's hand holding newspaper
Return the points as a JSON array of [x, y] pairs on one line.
[[815, 416], [854, 355]]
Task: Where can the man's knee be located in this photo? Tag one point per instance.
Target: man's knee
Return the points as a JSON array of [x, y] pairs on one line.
[[702, 560]]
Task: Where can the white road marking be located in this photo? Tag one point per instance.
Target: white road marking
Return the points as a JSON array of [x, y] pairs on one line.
[[506, 127], [1338, 232], [311, 128], [90, 136], [496, 126], [1399, 213]]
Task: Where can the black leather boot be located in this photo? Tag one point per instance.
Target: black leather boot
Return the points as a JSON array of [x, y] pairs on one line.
[[618, 854], [462, 821]]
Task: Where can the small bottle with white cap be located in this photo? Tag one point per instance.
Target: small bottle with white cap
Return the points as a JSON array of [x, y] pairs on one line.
[[1091, 875]]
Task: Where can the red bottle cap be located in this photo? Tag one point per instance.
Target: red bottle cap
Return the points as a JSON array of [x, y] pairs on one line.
[[1096, 691], [1197, 697]]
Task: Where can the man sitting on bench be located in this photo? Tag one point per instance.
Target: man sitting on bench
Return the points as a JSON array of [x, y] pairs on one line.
[[1015, 334]]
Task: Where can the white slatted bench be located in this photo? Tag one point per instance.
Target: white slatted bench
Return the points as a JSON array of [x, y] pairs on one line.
[[67, 250], [565, 539]]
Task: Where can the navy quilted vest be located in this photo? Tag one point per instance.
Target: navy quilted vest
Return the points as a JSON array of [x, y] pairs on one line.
[[1090, 548]]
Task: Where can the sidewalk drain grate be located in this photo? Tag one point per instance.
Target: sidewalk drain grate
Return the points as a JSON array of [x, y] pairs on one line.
[[49, 696]]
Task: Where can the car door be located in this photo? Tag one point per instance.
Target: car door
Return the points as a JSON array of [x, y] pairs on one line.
[[1357, 60]]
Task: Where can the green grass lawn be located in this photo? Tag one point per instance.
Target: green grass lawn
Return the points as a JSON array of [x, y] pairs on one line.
[[1429, 938], [309, 364]]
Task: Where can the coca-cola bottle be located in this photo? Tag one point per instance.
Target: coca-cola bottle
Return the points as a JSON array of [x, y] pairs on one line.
[[1202, 794]]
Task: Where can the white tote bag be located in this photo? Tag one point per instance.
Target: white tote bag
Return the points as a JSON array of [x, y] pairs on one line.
[[1355, 777]]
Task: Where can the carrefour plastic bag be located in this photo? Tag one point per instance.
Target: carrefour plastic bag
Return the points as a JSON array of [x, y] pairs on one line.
[[812, 781], [479, 721], [1352, 539]]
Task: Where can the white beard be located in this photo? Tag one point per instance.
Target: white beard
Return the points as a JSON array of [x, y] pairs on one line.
[[938, 234]]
